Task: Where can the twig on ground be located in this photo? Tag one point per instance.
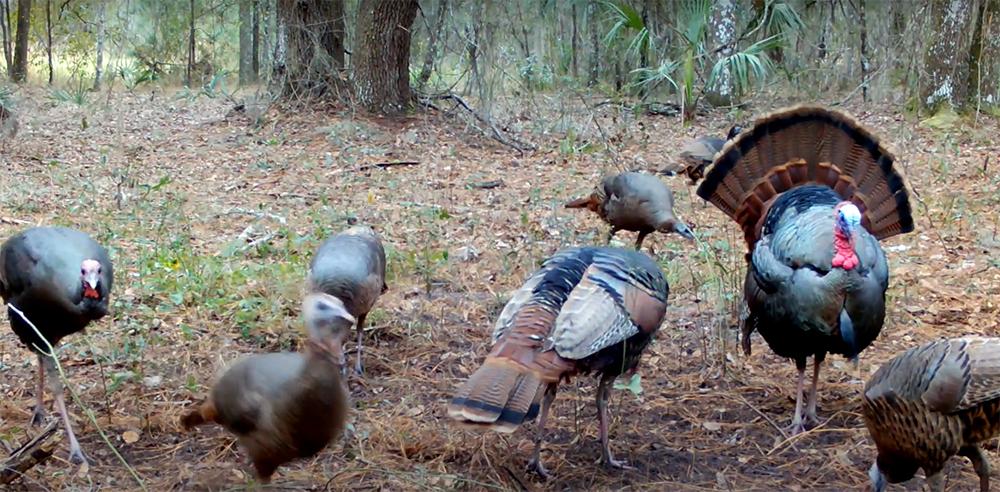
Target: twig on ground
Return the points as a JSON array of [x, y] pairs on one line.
[[31, 453], [9, 220], [384, 165], [497, 135]]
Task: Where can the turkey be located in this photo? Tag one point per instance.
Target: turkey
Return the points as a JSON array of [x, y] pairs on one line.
[[585, 310], [284, 406], [931, 403], [351, 267], [698, 154], [8, 125], [60, 279], [813, 191], [634, 202]]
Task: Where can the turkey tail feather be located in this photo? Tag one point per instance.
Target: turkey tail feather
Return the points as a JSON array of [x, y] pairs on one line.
[[500, 395], [808, 145]]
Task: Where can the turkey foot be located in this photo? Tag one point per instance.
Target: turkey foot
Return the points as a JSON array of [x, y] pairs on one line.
[[38, 416], [609, 461], [535, 465]]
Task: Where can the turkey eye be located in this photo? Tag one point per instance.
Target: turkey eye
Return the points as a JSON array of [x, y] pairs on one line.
[[83, 272]]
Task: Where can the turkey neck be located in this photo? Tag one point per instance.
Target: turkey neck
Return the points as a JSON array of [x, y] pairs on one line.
[[319, 399]]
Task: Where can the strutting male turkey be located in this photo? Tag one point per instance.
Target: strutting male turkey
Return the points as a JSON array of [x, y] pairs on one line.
[[698, 154], [813, 191], [60, 279], [931, 403], [585, 310], [284, 406], [634, 202], [351, 267]]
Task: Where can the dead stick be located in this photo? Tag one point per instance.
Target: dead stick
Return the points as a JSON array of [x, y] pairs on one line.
[[31, 453]]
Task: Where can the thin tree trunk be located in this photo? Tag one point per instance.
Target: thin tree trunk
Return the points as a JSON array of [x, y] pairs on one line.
[[6, 31], [255, 41], [246, 8], [574, 43], [595, 43], [864, 50], [382, 55], [988, 77], [48, 36], [432, 44], [20, 72], [101, 35], [190, 60]]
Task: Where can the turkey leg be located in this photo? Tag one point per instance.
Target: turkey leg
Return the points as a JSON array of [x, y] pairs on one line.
[[811, 418], [638, 240], [358, 367], [797, 420], [38, 416], [603, 389], [75, 453], [611, 233], [980, 464], [535, 464]]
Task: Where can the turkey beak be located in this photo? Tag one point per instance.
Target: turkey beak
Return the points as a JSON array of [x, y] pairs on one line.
[[682, 229], [91, 279]]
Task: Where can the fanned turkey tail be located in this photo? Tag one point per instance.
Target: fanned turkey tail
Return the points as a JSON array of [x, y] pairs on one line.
[[500, 395], [803, 145]]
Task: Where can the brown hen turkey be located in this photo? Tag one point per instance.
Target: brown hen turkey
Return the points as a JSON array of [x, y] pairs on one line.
[[284, 406], [634, 202], [813, 191], [931, 403], [61, 280], [698, 154], [585, 310], [351, 267]]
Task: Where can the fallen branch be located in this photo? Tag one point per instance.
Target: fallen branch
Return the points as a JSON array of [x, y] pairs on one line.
[[384, 165], [497, 135], [31, 453], [8, 220], [487, 185]]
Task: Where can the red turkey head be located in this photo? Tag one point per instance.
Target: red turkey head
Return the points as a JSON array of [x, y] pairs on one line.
[[847, 220], [90, 274]]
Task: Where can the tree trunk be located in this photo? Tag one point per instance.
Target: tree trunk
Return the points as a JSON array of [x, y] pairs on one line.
[[101, 35], [255, 40], [48, 36], [20, 71], [722, 32], [382, 55], [947, 63], [865, 66], [595, 43], [432, 44], [988, 83], [309, 52], [574, 44], [190, 61], [247, 73], [6, 31]]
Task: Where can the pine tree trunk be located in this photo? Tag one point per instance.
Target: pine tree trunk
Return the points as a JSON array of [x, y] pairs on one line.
[[20, 72], [722, 32], [989, 59], [432, 44], [247, 74], [947, 63], [255, 40], [101, 34], [48, 36], [6, 31], [190, 59], [595, 44], [382, 55], [309, 51], [865, 66]]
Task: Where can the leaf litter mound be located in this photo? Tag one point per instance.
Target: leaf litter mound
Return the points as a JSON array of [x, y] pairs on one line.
[[212, 223]]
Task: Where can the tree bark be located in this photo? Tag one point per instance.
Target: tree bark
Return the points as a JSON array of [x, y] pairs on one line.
[[382, 55], [722, 32], [255, 40], [574, 43], [247, 73], [6, 31], [947, 64], [20, 72], [865, 66], [595, 43], [48, 36], [309, 52], [989, 59], [432, 44], [101, 35], [190, 59]]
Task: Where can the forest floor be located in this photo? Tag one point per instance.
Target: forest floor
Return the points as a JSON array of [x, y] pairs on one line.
[[211, 223]]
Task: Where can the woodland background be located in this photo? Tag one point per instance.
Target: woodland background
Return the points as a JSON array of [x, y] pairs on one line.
[[211, 145]]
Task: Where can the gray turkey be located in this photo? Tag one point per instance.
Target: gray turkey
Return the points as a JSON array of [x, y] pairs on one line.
[[634, 202], [585, 310], [60, 279], [697, 154], [813, 191], [284, 406], [931, 403], [351, 267]]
